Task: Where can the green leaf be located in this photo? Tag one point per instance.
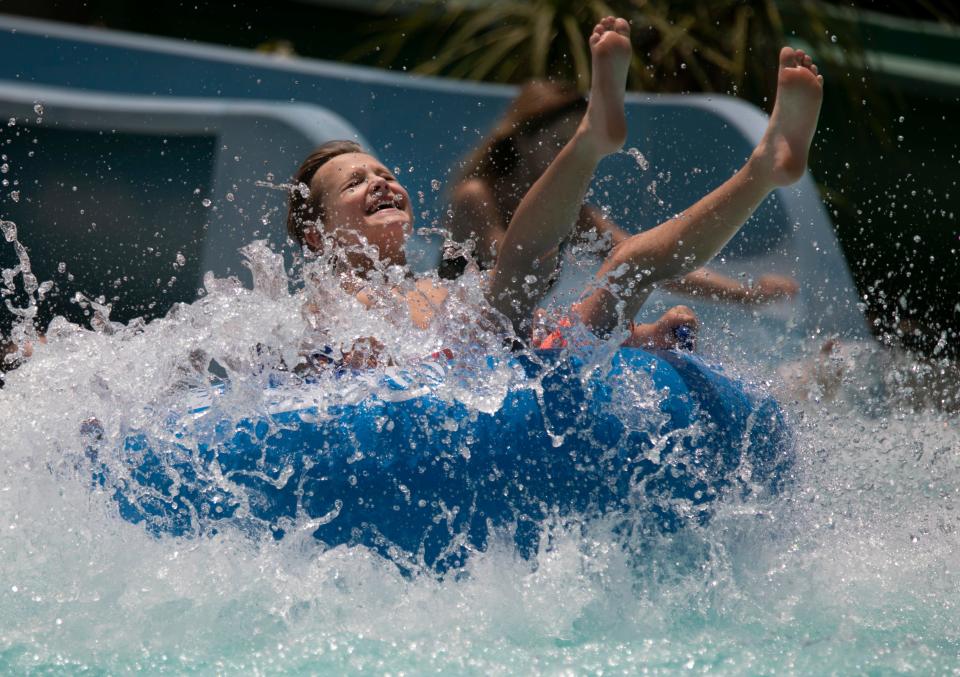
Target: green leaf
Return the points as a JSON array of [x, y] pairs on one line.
[[578, 50], [540, 44]]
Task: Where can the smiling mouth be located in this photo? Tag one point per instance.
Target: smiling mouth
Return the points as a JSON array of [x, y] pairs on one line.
[[385, 206]]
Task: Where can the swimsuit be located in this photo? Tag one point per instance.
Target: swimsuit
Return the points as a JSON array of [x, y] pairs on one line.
[[555, 339]]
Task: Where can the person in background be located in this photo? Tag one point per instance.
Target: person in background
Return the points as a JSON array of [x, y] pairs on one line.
[[873, 377]]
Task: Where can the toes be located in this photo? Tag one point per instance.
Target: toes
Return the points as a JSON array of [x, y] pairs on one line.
[[820, 79], [813, 68], [788, 57], [607, 24], [807, 61]]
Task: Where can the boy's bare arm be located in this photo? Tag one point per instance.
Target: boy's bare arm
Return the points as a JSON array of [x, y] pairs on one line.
[[715, 286]]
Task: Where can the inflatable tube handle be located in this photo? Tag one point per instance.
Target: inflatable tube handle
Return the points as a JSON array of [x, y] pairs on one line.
[[685, 336]]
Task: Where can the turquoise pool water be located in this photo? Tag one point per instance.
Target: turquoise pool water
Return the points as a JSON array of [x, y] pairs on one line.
[[854, 569]]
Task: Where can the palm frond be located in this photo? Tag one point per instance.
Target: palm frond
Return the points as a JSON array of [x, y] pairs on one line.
[[680, 45], [490, 51], [543, 33], [578, 50]]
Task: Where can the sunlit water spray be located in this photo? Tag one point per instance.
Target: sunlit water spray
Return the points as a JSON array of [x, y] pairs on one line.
[[854, 567]]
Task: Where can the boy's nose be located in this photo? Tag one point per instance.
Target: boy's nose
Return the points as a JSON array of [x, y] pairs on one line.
[[378, 184]]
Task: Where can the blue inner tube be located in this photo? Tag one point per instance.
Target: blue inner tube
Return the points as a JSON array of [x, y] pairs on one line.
[[423, 480]]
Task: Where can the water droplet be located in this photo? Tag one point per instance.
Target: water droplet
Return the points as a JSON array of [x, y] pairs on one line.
[[15, 195], [4, 168], [231, 197], [61, 267], [206, 202], [38, 108], [899, 137], [9, 229], [833, 38], [900, 119], [434, 184], [638, 158]]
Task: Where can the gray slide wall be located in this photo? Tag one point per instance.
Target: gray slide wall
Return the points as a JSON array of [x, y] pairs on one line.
[[421, 126]]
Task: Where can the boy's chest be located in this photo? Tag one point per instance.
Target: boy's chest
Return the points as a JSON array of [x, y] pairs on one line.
[[424, 302]]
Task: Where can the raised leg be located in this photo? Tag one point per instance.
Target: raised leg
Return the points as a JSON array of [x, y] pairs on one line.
[[692, 238], [549, 210]]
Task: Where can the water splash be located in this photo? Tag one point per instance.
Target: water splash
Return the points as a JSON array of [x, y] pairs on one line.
[[853, 567], [639, 158], [23, 334]]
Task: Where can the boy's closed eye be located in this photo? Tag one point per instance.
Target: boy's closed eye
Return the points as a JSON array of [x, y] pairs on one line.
[[352, 182]]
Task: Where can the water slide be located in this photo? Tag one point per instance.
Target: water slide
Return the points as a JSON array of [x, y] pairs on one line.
[[152, 160]]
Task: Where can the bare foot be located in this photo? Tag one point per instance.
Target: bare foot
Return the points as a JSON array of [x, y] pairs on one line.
[[604, 122], [784, 148]]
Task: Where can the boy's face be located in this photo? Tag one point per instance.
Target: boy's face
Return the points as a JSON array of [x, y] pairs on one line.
[[362, 196]]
